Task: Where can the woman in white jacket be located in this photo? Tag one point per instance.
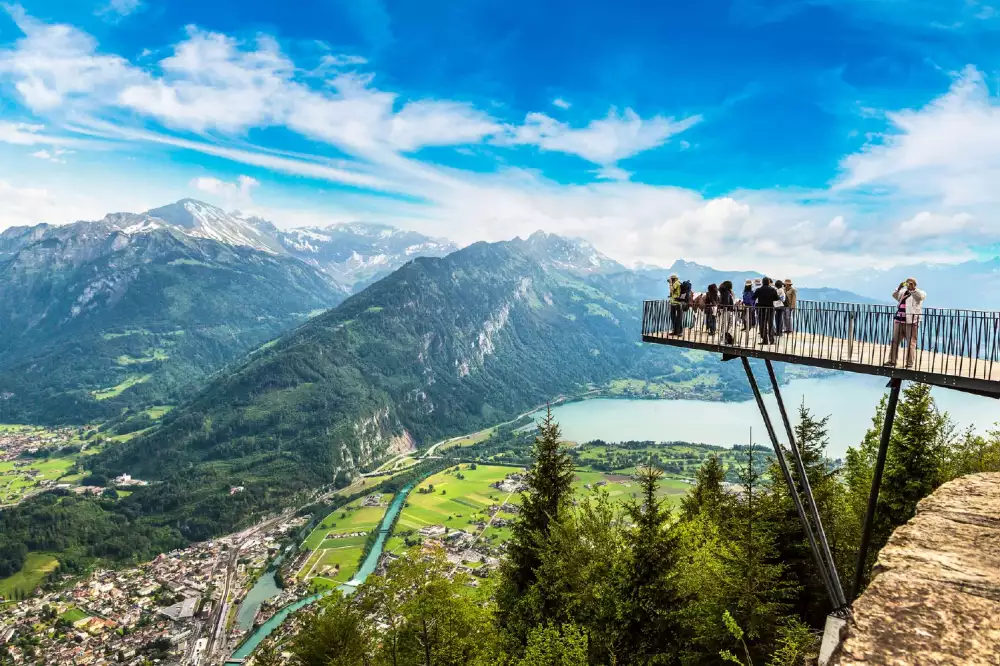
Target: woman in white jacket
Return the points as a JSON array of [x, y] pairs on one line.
[[907, 320]]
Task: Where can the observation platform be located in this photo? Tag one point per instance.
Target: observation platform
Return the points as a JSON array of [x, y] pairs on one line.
[[957, 349]]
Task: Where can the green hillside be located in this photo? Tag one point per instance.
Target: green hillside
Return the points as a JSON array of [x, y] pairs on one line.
[[441, 347], [93, 321]]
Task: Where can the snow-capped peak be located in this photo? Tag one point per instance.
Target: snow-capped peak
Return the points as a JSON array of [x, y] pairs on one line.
[[202, 220]]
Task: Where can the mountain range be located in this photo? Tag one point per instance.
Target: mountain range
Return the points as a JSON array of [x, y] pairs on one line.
[[297, 358], [134, 309], [973, 285], [439, 347]]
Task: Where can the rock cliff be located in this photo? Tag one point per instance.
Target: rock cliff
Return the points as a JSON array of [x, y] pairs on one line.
[[935, 593]]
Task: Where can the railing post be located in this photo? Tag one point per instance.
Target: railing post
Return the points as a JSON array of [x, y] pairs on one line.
[[850, 337]]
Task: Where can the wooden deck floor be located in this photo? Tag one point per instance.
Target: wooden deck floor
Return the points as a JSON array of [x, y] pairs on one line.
[[841, 353]]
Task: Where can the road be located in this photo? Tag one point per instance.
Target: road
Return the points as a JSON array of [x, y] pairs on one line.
[[217, 639], [433, 448]]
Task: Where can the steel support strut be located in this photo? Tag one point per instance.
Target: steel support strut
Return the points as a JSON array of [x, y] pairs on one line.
[[883, 447], [783, 464], [824, 546]]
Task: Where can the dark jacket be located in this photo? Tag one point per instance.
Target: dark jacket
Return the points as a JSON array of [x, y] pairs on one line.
[[726, 297], [766, 296]]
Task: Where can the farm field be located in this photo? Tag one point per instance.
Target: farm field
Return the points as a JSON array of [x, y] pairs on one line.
[[336, 559], [36, 567], [115, 391], [361, 483], [16, 478], [621, 488], [457, 503]]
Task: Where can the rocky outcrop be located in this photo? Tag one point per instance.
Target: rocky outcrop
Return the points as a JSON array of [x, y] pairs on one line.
[[935, 593]]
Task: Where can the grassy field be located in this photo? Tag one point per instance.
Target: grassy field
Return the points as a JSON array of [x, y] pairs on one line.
[[336, 559], [361, 483], [16, 481], [455, 503], [663, 386], [74, 614], [152, 355], [474, 438], [461, 504], [158, 412], [36, 567], [115, 391]]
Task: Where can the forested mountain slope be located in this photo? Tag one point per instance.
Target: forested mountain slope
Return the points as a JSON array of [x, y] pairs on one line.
[[125, 312], [441, 346]]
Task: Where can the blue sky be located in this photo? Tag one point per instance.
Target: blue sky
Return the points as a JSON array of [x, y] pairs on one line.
[[816, 135]]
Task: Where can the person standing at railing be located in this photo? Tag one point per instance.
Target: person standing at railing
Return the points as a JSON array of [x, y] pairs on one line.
[[791, 300], [767, 301], [675, 305], [727, 310], [749, 320], [779, 315], [907, 320], [711, 304], [687, 304]]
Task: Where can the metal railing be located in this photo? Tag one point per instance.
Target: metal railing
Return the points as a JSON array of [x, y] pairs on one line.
[[956, 343]]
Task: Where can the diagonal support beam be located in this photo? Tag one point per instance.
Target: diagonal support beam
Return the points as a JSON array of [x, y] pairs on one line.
[[824, 546], [783, 464], [883, 447]]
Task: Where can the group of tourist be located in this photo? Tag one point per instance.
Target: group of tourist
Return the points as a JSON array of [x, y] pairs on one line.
[[764, 305], [770, 308]]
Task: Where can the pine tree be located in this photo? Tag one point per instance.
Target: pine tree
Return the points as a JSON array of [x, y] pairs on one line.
[[337, 632], [812, 602], [756, 591], [913, 462], [707, 494], [547, 497], [650, 600]]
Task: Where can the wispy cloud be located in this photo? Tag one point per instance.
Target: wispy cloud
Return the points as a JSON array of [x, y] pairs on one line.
[[934, 168], [561, 103], [233, 195], [54, 155], [603, 142], [118, 9]]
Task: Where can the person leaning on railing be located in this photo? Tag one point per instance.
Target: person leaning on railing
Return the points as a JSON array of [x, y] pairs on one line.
[[907, 319], [727, 311], [791, 300], [767, 301], [675, 305]]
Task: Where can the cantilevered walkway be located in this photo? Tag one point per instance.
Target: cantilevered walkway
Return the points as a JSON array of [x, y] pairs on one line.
[[954, 348], [957, 349]]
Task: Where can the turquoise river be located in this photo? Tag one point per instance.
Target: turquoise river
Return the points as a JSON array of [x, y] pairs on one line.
[[251, 642]]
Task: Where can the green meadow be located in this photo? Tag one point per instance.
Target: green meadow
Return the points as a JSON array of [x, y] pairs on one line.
[[36, 567], [336, 559]]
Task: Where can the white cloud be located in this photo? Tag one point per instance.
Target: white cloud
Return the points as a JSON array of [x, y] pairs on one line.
[[52, 63], [337, 61], [22, 134], [948, 150], [233, 195], [219, 88], [612, 172], [429, 123], [604, 141], [930, 225], [119, 8], [561, 103], [54, 155], [210, 82]]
